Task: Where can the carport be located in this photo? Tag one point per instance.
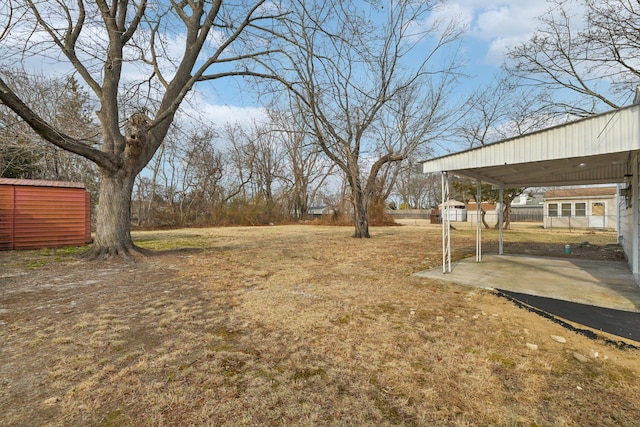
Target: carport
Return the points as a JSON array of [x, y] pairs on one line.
[[602, 149]]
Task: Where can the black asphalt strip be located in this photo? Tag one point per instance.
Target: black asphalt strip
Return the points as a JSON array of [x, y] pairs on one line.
[[624, 324]]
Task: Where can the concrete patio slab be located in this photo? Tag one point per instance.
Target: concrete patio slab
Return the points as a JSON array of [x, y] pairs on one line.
[[608, 284]]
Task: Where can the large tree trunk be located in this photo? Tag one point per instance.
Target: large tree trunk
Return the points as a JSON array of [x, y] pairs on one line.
[[113, 222], [507, 215], [484, 220], [360, 215]]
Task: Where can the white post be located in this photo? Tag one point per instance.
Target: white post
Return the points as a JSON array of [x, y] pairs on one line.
[[500, 220], [446, 226], [618, 218], [478, 222], [442, 220], [636, 217]]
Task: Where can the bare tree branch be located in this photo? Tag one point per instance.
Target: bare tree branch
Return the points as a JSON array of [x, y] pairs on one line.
[[46, 131], [594, 57]]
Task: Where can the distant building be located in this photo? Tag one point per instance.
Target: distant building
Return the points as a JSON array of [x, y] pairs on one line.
[[528, 199], [592, 207], [528, 207], [457, 211], [320, 210]]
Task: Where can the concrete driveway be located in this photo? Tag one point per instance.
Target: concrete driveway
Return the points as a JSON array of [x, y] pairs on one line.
[[608, 284]]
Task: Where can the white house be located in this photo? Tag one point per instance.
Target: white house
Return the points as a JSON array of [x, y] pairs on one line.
[[593, 207]]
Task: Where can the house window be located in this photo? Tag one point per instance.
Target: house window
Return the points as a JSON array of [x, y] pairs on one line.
[[566, 209], [581, 209], [553, 209], [597, 209]]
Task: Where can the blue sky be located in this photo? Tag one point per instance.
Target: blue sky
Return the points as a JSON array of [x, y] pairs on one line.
[[492, 27]]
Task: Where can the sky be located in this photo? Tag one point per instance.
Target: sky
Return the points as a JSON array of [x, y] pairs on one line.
[[496, 25], [492, 27]]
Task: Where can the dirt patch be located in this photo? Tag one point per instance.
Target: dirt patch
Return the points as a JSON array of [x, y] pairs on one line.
[[295, 325]]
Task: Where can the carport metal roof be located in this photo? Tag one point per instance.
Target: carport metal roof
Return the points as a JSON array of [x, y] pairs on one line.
[[595, 150]]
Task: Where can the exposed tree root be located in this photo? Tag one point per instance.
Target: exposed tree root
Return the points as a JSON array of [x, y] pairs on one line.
[[129, 252], [361, 235]]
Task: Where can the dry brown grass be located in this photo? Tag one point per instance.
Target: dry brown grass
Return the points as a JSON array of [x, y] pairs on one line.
[[293, 325]]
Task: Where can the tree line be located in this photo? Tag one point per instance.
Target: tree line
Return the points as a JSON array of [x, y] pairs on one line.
[[266, 172]]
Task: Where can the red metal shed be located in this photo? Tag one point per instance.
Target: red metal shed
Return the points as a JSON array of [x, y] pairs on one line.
[[43, 214]]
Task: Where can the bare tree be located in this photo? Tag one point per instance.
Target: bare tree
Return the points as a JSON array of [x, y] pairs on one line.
[[147, 194], [592, 56], [349, 71], [499, 111], [18, 149], [265, 155], [416, 189], [305, 169], [240, 160], [201, 168], [185, 183], [24, 154], [121, 50]]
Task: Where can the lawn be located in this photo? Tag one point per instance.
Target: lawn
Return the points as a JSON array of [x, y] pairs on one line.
[[296, 325]]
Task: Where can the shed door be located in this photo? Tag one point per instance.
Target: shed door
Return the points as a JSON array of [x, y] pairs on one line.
[[598, 219]]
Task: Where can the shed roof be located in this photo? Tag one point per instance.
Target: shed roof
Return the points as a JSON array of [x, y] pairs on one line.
[[592, 150], [489, 206], [40, 183], [565, 193], [453, 203]]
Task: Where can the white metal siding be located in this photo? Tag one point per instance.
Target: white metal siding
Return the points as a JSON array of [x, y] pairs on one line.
[[613, 132], [626, 231]]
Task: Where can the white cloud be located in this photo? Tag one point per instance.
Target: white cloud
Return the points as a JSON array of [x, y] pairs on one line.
[[516, 20], [200, 108], [498, 24], [244, 116]]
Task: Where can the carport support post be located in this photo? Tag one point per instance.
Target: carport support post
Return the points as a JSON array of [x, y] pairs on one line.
[[636, 213], [446, 226], [500, 219], [478, 222]]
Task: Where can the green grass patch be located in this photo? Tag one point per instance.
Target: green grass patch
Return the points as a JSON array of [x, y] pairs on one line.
[[113, 419], [45, 256], [305, 374], [503, 360]]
